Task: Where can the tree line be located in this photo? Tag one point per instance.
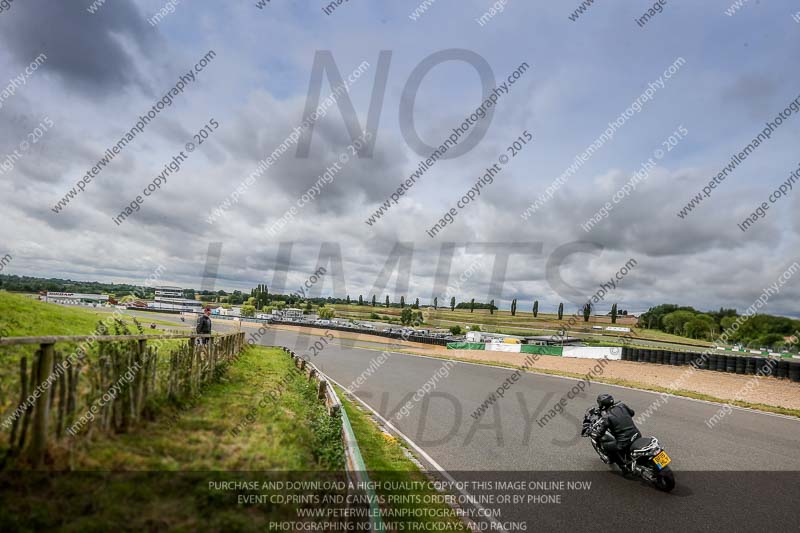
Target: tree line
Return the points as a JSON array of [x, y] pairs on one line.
[[260, 298], [758, 331]]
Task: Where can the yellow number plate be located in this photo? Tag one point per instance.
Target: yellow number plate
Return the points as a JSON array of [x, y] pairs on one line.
[[662, 459]]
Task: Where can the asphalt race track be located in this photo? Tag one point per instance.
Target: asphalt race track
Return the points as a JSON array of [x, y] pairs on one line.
[[735, 475], [739, 475]]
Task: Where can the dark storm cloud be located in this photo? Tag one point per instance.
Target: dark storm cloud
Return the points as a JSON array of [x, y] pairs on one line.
[[258, 94], [90, 51], [260, 127]]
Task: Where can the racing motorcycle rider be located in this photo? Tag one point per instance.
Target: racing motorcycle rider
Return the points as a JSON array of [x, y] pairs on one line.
[[616, 419]]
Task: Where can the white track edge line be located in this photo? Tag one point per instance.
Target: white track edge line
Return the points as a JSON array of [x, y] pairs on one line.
[[419, 450]]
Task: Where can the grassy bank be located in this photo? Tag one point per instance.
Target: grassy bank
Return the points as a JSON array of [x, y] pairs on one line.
[[261, 421], [387, 462], [23, 316], [157, 477]]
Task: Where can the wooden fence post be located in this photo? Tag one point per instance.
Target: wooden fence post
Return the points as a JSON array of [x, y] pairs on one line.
[[321, 389], [23, 382], [141, 380], [42, 411]]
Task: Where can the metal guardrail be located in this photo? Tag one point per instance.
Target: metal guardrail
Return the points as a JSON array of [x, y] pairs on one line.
[[355, 467]]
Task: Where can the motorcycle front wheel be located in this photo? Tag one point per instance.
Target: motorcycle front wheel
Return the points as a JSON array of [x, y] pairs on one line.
[[665, 480]]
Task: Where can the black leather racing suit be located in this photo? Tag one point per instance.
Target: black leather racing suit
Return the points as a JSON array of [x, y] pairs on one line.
[[203, 326], [618, 421]]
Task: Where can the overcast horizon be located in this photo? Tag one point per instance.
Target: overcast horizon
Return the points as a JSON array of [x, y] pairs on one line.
[[682, 96]]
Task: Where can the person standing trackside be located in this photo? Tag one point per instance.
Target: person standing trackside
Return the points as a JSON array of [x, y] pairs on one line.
[[204, 325]]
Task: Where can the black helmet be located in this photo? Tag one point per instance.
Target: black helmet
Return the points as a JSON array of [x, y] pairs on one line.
[[604, 401]]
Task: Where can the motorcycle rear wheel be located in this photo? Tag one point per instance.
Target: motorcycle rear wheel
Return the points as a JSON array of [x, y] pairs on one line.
[[665, 480]]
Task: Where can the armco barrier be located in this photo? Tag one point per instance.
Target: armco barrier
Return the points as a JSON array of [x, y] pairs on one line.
[[355, 468]]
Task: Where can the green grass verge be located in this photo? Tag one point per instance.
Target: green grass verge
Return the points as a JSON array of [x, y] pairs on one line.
[[388, 464], [23, 316], [174, 457], [196, 435]]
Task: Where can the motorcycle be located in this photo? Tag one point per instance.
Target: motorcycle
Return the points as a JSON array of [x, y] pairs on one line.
[[646, 458]]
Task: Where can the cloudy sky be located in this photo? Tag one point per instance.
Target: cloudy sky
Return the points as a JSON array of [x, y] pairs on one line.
[[104, 70]]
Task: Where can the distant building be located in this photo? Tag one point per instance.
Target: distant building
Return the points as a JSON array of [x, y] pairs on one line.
[[474, 336], [548, 340], [74, 297], [171, 299]]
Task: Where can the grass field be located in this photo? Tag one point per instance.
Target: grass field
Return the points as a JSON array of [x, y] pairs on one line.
[[523, 323], [168, 462], [24, 316]]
